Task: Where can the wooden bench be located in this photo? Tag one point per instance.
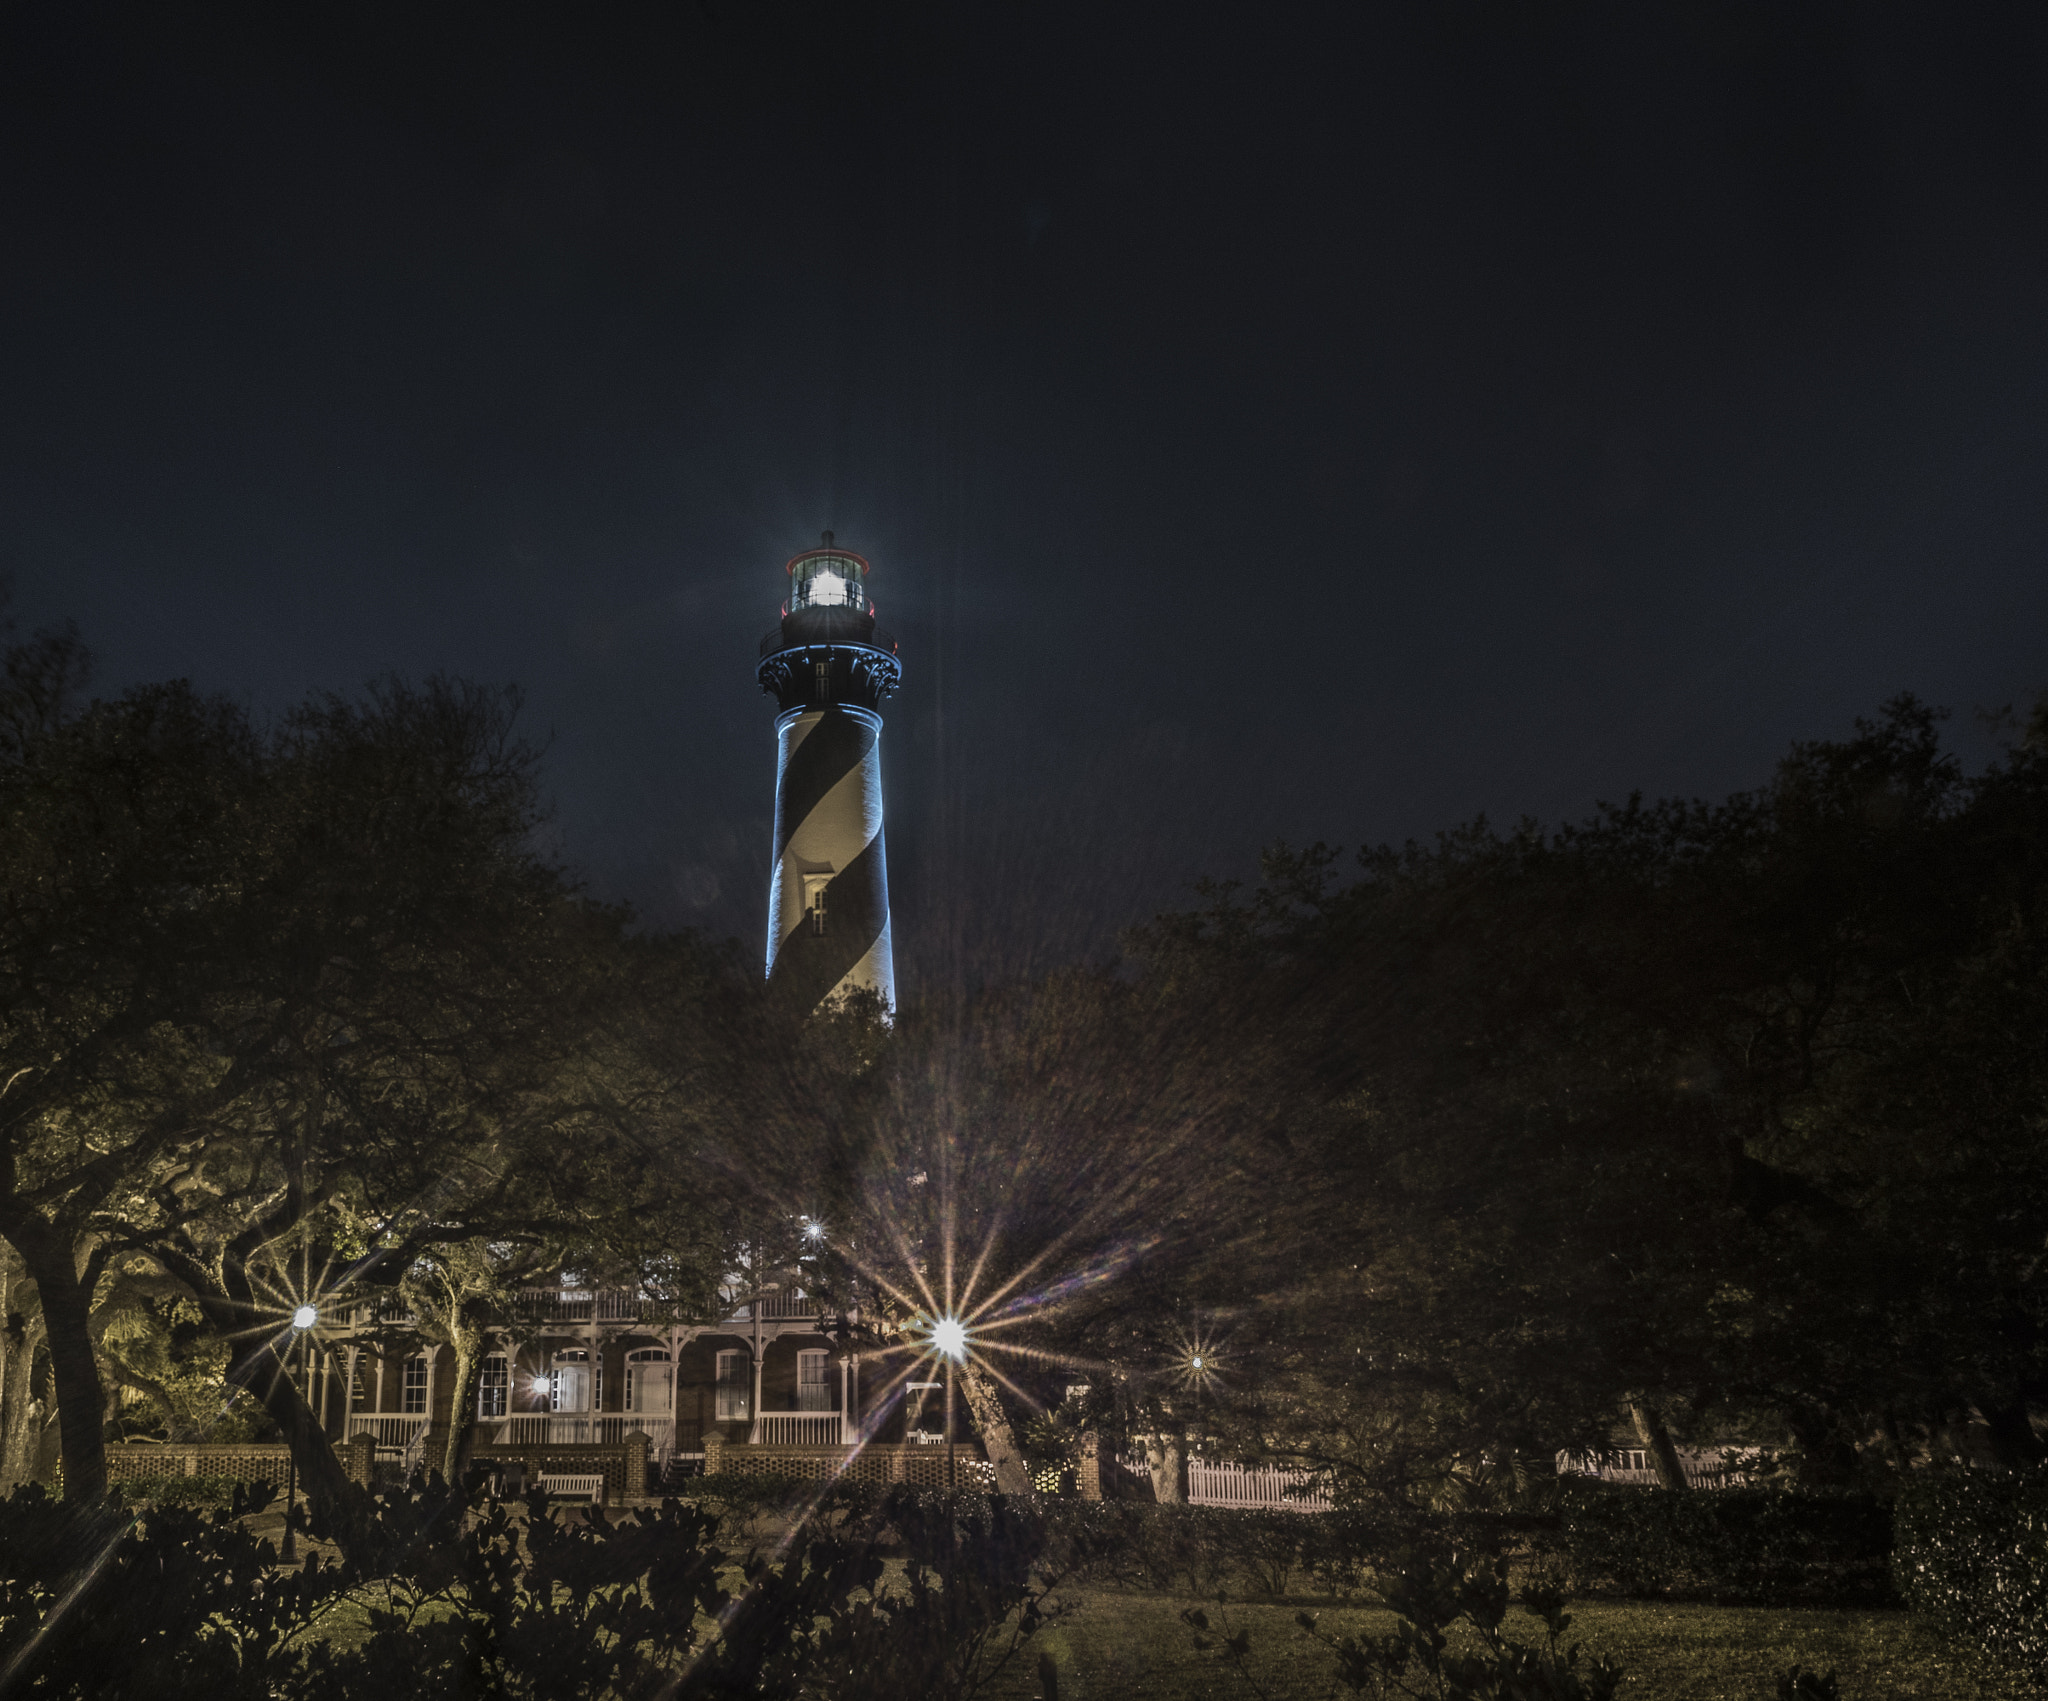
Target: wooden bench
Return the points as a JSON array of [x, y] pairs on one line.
[[562, 1487]]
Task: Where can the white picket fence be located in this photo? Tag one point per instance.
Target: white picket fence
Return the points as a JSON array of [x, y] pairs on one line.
[[1253, 1487], [1704, 1467]]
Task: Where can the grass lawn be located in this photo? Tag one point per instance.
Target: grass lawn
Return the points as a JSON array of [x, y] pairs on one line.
[[1133, 1647]]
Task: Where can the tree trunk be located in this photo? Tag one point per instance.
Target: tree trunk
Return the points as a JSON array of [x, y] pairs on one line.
[[1656, 1440], [263, 1371], [1162, 1460], [52, 1261], [229, 1304], [23, 1391], [993, 1425], [467, 1345]]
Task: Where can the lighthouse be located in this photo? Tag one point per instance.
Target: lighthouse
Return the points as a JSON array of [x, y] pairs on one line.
[[830, 672]]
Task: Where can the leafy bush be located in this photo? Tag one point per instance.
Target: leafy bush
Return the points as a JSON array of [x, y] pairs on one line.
[[1738, 1546], [466, 1597], [180, 1491], [100, 1603], [1973, 1560]]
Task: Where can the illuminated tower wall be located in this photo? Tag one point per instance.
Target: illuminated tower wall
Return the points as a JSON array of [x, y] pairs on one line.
[[828, 891]]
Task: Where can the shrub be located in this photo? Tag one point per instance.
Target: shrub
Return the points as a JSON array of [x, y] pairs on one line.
[[1738, 1546], [468, 1597], [99, 1604], [1201, 1550], [1973, 1560], [180, 1491]]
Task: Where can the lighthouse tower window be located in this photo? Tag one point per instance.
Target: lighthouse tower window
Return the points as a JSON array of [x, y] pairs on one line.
[[814, 899]]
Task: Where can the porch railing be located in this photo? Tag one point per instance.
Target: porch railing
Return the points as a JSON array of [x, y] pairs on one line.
[[390, 1429], [576, 1429], [796, 1429], [594, 1305]]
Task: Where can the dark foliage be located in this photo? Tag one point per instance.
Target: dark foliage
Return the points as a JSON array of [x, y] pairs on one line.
[[1973, 1560], [469, 1598], [1740, 1546], [100, 1602]]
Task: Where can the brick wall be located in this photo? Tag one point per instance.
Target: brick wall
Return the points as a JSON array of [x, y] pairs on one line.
[[875, 1463], [232, 1461]]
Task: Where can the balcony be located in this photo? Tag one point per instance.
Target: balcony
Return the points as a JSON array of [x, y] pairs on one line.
[[590, 1306]]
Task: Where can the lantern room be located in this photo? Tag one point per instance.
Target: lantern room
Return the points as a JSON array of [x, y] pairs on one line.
[[827, 578]]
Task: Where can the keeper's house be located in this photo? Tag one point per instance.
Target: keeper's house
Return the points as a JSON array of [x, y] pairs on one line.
[[765, 1384]]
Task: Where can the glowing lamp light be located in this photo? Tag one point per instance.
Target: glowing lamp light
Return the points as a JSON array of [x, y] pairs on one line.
[[949, 1338], [543, 1384], [813, 1229], [1197, 1361], [305, 1317]]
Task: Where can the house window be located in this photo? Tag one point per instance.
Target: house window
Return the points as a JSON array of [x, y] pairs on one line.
[[412, 1386], [813, 1392], [647, 1381], [572, 1388], [494, 1387], [734, 1387]]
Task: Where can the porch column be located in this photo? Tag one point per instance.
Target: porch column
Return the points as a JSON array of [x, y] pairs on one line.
[[426, 1429], [348, 1388], [846, 1423], [754, 1431]]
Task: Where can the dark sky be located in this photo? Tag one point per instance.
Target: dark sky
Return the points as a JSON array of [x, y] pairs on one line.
[[1265, 421]]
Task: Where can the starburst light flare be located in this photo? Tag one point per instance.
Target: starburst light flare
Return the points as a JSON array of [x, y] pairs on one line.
[[949, 1339]]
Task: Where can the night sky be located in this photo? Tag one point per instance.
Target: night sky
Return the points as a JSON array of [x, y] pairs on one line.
[[1265, 422]]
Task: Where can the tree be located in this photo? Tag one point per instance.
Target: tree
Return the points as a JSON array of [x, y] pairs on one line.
[[1681, 1108], [124, 826], [249, 971]]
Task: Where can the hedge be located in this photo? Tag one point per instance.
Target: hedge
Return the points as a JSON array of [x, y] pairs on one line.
[[180, 1491], [1973, 1559], [1735, 1546]]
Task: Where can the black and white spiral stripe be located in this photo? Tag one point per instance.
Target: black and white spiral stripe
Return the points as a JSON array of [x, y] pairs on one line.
[[828, 828]]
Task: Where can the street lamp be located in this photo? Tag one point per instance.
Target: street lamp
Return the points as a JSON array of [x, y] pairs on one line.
[[949, 1341], [303, 1320]]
